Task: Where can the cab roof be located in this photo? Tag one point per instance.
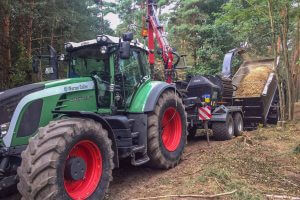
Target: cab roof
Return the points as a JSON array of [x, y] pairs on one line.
[[111, 40]]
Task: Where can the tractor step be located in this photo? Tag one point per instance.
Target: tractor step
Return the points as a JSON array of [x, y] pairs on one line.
[[135, 134], [140, 161], [131, 122], [138, 149], [144, 158]]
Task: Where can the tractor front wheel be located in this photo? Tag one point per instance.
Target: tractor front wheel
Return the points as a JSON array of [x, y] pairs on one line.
[[68, 159], [166, 131]]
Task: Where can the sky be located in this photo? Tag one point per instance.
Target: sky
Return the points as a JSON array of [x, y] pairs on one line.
[[113, 19]]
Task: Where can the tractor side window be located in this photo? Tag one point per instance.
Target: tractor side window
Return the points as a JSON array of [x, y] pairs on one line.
[[87, 66], [130, 70]]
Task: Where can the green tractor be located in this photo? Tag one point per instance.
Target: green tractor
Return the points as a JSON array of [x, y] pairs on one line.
[[61, 139]]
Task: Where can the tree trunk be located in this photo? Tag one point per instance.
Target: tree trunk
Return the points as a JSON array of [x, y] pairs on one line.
[[29, 28], [21, 23], [287, 67], [276, 62], [295, 59], [6, 51]]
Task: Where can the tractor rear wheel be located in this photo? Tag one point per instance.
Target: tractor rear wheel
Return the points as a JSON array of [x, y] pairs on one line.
[[166, 131], [68, 159], [224, 130]]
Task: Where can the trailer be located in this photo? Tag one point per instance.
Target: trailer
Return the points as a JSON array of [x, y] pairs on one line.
[[203, 101], [213, 100], [261, 109], [258, 109]]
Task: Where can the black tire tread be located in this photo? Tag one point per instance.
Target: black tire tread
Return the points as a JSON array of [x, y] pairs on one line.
[[235, 119], [39, 160], [220, 131], [157, 160]]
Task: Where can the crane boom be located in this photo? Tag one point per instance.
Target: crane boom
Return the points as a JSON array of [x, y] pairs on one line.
[[156, 31]]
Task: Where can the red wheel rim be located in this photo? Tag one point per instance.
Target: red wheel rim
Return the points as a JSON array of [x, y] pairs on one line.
[[91, 155], [171, 129]]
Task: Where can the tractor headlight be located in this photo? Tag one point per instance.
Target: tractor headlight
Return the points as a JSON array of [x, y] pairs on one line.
[[103, 50], [4, 129]]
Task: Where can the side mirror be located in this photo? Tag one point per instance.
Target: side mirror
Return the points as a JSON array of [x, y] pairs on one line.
[[124, 50], [35, 66], [127, 36]]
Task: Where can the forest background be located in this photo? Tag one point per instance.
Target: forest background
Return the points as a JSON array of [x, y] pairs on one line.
[[205, 30]]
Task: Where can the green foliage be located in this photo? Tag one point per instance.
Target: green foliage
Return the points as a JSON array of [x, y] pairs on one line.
[[131, 14], [297, 149], [218, 42], [36, 24], [192, 28], [249, 21], [21, 72]]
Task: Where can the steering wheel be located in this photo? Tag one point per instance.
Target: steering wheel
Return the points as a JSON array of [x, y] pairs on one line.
[[101, 75]]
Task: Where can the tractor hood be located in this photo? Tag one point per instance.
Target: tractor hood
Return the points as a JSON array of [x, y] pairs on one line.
[[14, 101], [9, 99]]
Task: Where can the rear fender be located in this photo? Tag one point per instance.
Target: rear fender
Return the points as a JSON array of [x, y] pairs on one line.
[[155, 94], [103, 122], [147, 96]]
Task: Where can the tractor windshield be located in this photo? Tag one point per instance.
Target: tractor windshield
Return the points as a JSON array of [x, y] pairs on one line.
[[89, 61]]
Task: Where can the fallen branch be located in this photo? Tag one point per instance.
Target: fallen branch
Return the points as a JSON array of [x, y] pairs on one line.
[[219, 184], [191, 196], [194, 172], [272, 196]]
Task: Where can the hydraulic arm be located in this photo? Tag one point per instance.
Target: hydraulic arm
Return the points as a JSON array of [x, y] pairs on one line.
[[156, 31]]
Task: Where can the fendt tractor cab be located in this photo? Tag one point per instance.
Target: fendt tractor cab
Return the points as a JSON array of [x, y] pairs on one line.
[[61, 139]]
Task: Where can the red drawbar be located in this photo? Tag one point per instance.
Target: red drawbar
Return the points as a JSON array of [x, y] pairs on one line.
[[90, 153], [171, 129]]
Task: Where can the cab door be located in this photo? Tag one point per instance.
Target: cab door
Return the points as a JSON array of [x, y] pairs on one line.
[[131, 73]]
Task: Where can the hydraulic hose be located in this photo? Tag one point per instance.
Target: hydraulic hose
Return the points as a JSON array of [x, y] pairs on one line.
[[178, 58]]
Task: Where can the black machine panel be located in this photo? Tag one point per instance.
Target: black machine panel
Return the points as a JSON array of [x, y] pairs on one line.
[[201, 87], [30, 119]]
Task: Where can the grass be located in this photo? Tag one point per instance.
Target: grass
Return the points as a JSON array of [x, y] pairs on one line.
[[297, 149]]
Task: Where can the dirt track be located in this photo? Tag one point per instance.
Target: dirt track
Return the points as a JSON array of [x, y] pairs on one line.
[[258, 163], [133, 182], [261, 162]]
